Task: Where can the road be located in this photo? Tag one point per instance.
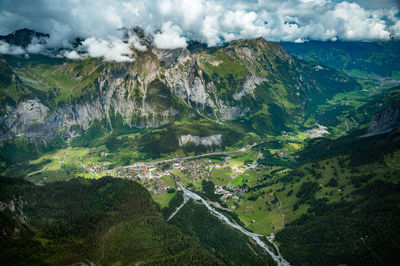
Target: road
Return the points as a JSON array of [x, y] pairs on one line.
[[142, 164], [149, 164], [50, 165]]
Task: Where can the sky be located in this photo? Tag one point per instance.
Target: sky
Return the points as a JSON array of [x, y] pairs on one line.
[[173, 22]]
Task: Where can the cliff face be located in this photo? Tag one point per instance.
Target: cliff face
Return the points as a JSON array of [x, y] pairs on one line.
[[386, 120], [45, 97], [213, 140]]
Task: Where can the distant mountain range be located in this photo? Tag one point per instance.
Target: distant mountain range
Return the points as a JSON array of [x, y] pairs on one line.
[[353, 58]]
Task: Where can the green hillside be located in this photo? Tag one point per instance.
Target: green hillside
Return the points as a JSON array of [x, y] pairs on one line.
[[108, 221]]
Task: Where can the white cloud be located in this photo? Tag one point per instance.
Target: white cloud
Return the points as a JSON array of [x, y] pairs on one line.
[[36, 46], [114, 50], [396, 30], [359, 23], [210, 31], [72, 55], [169, 37], [5, 48], [299, 41], [173, 22], [135, 41]]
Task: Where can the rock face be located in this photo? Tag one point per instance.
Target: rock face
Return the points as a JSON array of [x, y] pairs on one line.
[[386, 120], [29, 119], [160, 86], [213, 140]]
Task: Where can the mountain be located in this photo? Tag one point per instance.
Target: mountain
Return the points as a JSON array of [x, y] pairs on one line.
[[246, 86], [23, 37], [254, 82], [354, 58]]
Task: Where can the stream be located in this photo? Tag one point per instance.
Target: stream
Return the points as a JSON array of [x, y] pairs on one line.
[[277, 258]]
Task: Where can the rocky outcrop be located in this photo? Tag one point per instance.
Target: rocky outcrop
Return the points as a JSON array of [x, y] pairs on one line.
[[213, 140], [248, 87], [386, 120], [28, 118], [15, 208]]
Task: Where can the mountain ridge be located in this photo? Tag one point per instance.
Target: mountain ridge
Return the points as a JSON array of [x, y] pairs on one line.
[[23, 37], [162, 86]]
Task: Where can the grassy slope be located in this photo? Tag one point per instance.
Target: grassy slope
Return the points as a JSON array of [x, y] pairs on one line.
[[355, 195], [358, 232], [56, 81]]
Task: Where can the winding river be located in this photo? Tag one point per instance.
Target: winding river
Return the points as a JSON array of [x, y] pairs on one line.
[[278, 258]]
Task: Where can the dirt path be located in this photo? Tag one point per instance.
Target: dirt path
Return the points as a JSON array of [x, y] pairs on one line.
[[280, 210]]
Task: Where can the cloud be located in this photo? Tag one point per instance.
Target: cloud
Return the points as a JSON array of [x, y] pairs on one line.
[[36, 46], [5, 48], [135, 41], [114, 50], [358, 23], [172, 22], [72, 55], [169, 37]]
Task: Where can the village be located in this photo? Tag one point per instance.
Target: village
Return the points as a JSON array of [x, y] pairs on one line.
[[153, 177]]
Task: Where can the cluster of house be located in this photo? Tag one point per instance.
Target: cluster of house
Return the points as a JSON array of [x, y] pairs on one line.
[[227, 193], [96, 167], [196, 170], [236, 192], [201, 169], [157, 187], [151, 177], [142, 174], [287, 136]]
